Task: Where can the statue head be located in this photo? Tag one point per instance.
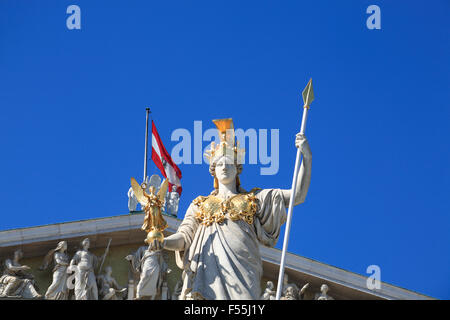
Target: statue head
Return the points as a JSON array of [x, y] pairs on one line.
[[324, 289], [62, 246], [108, 270], [225, 170], [155, 181], [174, 195], [225, 158], [270, 285], [18, 254], [290, 291], [85, 243]]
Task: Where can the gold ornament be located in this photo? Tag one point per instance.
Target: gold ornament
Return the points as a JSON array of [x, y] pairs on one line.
[[242, 206], [154, 223], [227, 146]]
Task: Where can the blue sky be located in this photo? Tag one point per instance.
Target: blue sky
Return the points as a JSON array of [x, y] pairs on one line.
[[73, 114]]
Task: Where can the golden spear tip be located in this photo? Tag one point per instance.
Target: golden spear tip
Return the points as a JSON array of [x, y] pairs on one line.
[[308, 94]]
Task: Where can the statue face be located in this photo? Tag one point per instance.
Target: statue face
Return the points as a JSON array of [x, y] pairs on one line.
[[226, 170], [18, 254], [108, 270], [86, 243], [155, 181]]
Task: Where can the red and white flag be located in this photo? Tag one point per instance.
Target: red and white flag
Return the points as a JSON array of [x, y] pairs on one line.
[[164, 162]]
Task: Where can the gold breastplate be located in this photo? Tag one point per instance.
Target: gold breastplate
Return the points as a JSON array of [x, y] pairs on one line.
[[242, 206]]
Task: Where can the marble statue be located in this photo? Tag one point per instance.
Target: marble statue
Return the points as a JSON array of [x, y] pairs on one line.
[[323, 295], [84, 264], [172, 200], [16, 280], [152, 272], [217, 243], [301, 294], [58, 289], [153, 181], [289, 290], [152, 269], [132, 201], [290, 294], [134, 273], [109, 289], [269, 293]]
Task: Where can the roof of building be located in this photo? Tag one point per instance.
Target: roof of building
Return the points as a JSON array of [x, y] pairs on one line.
[[125, 229]]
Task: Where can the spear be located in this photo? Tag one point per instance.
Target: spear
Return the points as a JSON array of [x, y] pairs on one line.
[[308, 97], [104, 255]]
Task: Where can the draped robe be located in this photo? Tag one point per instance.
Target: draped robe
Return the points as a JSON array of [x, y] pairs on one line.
[[222, 261], [58, 289]]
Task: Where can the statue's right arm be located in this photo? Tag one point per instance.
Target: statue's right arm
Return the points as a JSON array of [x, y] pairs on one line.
[[181, 240], [74, 259], [10, 266], [175, 242], [60, 261]]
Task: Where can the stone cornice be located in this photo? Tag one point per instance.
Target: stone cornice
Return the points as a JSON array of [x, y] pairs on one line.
[[130, 222]]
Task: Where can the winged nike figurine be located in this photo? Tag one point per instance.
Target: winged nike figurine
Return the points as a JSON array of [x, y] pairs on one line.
[[154, 223]]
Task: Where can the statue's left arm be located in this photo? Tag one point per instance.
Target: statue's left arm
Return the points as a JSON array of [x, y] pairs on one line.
[[304, 175], [75, 259], [9, 265], [116, 285], [59, 259]]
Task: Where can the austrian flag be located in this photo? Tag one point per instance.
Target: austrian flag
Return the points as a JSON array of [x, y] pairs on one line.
[[164, 162]]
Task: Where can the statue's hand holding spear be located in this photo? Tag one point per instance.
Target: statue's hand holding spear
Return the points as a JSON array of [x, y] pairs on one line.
[[300, 181], [303, 177], [302, 143]]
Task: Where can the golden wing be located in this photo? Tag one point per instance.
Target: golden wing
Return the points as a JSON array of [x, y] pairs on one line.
[[163, 190], [138, 192]]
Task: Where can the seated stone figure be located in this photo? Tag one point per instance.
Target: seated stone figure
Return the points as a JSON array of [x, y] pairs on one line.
[[16, 281], [269, 293], [109, 289]]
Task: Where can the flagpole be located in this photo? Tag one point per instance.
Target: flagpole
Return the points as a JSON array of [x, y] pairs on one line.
[[147, 110], [308, 96]]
